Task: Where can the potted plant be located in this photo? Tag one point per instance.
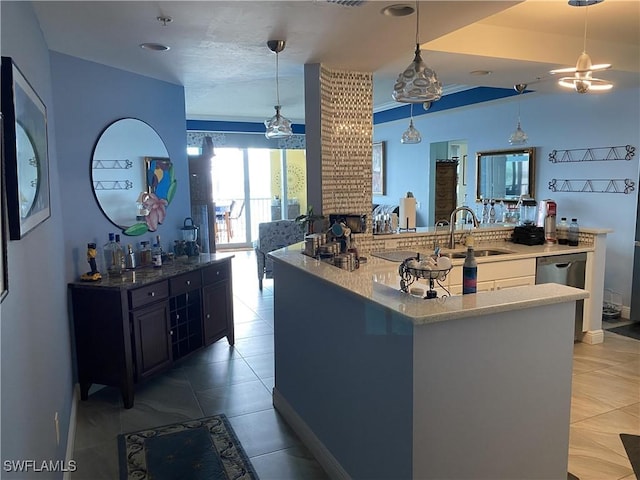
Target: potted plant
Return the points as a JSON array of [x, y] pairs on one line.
[[308, 219]]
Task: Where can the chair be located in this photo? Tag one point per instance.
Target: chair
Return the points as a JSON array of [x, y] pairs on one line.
[[235, 212], [272, 236]]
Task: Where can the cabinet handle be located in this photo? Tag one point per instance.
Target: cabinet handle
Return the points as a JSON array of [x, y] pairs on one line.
[[152, 294], [178, 316], [188, 282], [171, 332], [217, 272], [208, 315]]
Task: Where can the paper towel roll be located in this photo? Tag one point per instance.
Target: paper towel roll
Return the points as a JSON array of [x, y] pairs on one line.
[[407, 213]]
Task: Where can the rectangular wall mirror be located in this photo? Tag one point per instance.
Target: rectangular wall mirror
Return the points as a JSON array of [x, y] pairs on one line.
[[505, 174]]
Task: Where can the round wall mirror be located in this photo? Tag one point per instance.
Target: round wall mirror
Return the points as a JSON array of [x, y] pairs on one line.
[[132, 176]]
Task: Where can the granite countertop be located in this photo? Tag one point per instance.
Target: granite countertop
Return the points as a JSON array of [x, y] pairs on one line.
[[146, 275], [364, 284]]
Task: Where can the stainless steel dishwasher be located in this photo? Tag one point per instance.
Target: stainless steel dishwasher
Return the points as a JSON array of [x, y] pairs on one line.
[[568, 269]]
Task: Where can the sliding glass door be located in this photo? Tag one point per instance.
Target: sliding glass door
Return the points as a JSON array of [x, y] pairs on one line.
[[255, 185]]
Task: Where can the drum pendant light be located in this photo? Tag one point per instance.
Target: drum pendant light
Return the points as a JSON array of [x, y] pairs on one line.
[[417, 83], [277, 126]]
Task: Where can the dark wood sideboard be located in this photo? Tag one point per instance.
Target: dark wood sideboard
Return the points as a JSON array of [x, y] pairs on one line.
[[133, 326]]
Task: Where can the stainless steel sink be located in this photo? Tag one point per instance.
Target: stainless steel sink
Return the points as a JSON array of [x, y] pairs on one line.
[[482, 252]]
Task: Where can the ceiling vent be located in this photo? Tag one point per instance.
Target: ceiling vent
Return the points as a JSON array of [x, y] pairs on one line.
[[348, 3]]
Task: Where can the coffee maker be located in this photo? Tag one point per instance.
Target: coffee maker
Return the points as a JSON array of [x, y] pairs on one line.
[[546, 218]]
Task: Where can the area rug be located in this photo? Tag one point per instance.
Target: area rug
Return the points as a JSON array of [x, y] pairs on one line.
[[206, 448], [631, 330], [632, 446]]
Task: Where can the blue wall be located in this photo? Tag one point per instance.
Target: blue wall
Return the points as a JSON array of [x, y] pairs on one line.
[[553, 122], [88, 97], [82, 98], [35, 346]]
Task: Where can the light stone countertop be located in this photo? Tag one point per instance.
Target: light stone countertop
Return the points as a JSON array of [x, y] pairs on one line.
[[364, 283]]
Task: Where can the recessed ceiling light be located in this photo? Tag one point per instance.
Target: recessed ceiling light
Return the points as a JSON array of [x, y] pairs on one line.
[[480, 73], [398, 10], [156, 47]]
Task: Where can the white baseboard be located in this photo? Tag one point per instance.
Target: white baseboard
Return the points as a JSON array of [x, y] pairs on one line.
[[71, 435], [626, 312], [593, 337], [324, 457]]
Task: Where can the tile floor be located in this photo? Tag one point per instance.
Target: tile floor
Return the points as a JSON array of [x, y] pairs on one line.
[[238, 381]]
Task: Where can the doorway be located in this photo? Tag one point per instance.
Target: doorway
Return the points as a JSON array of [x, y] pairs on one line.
[[254, 185]]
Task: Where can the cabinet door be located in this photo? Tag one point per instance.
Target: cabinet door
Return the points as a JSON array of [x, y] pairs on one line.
[[217, 319], [152, 339], [515, 282]]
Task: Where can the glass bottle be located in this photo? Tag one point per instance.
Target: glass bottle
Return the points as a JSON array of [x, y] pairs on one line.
[[122, 255], [145, 254], [156, 255], [112, 256], [469, 272], [574, 231], [130, 258], [562, 230]]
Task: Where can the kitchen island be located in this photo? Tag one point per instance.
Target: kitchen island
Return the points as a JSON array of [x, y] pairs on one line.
[[380, 384]]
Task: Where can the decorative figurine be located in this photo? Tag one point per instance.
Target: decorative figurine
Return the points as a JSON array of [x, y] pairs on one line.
[[94, 274]]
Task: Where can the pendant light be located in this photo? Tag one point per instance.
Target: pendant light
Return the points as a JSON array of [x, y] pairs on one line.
[[518, 137], [277, 126], [411, 135], [417, 83], [582, 80]]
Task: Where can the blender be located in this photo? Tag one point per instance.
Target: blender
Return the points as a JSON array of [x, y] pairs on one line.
[[189, 236]]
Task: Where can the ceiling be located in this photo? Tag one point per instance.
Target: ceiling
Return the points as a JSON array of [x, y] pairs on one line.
[[218, 49]]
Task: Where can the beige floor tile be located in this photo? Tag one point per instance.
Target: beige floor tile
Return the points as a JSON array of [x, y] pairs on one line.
[[605, 429], [601, 386], [589, 460], [628, 370], [633, 410]]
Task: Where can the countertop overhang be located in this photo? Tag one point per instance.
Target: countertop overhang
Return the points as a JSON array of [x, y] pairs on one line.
[[361, 282]]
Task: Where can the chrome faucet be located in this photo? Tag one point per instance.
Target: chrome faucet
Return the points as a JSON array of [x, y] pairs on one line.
[[452, 223]]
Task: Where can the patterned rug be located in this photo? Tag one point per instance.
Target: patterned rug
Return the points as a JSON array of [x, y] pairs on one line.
[[206, 448]]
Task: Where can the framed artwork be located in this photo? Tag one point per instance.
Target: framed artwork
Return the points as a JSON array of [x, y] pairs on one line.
[[26, 162], [4, 281], [160, 179], [377, 169]]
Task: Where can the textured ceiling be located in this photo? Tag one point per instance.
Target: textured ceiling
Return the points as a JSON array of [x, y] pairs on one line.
[[219, 53]]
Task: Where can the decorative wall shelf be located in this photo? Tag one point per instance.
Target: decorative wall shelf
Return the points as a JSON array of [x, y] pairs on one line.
[[113, 185], [600, 154], [592, 186], [112, 164]]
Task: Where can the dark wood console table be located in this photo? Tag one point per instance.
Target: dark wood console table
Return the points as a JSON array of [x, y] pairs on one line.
[[132, 327]]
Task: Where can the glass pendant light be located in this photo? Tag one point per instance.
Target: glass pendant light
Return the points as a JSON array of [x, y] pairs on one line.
[[582, 80], [411, 135], [277, 126], [417, 83], [519, 137]]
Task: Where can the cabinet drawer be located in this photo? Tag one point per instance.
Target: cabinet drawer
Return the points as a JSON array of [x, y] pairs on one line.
[[215, 273], [149, 294], [184, 283]]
